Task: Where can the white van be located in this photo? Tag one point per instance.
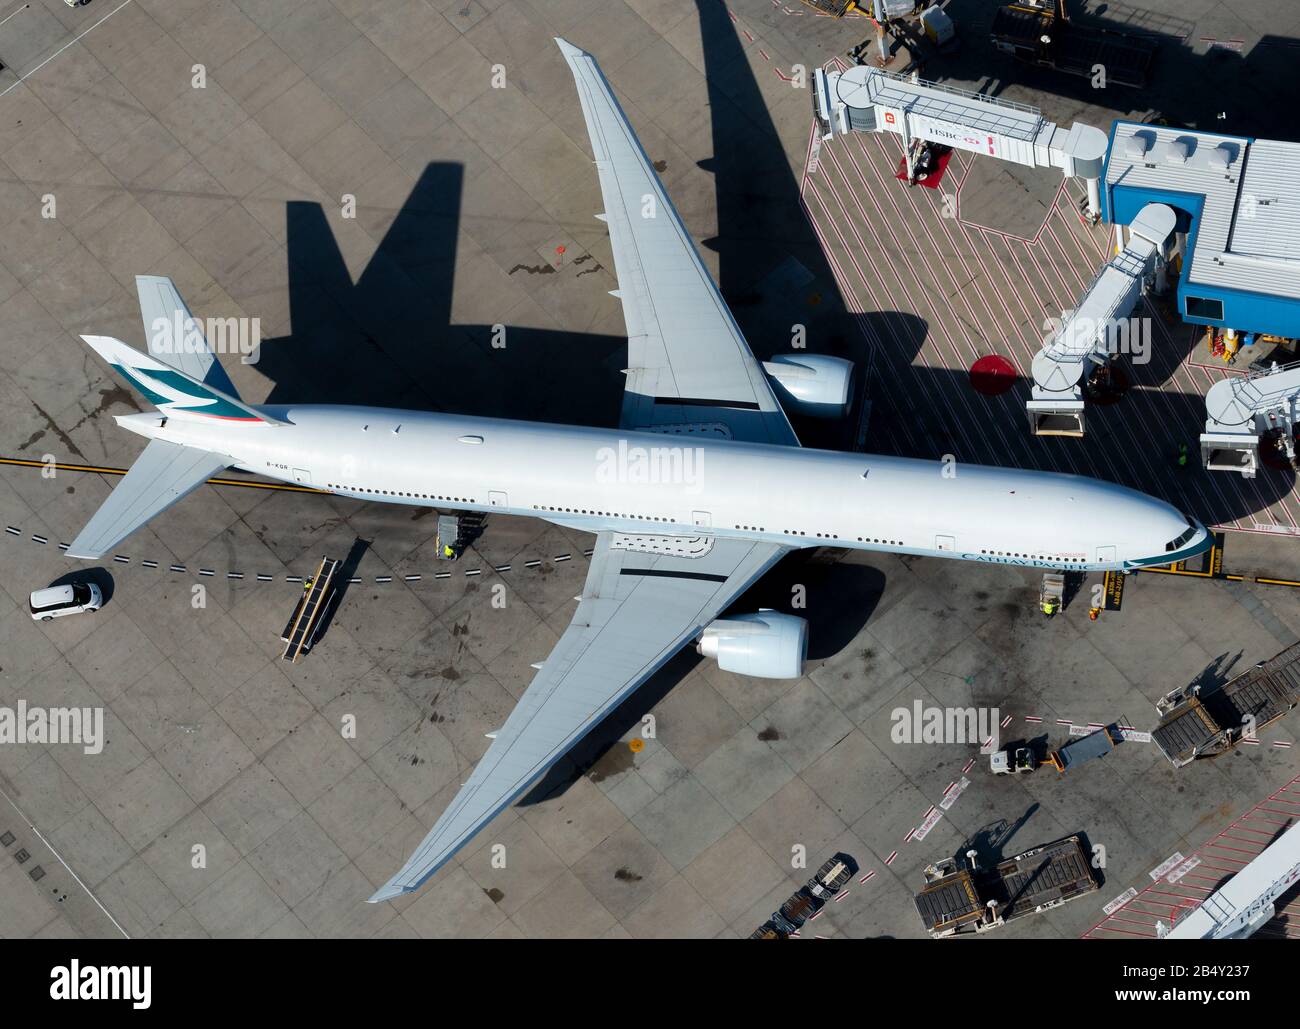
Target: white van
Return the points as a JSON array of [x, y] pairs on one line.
[[71, 599]]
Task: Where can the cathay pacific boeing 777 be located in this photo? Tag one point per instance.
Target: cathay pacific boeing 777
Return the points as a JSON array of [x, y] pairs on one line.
[[700, 489]]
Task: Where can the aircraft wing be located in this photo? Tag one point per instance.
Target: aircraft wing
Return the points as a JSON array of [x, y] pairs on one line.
[[162, 474], [687, 360], [637, 610]]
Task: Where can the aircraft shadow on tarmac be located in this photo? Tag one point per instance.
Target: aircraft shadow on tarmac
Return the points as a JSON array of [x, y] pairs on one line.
[[387, 340]]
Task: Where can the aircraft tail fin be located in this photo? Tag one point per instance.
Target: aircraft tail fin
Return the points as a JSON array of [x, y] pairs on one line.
[[174, 337], [172, 390]]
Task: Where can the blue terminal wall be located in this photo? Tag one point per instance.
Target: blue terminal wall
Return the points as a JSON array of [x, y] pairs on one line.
[[1242, 310]]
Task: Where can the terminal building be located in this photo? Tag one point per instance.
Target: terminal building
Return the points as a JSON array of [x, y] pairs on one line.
[[1238, 220]]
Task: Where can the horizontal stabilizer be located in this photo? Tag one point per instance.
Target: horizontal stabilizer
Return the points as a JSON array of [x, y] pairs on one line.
[[163, 474]]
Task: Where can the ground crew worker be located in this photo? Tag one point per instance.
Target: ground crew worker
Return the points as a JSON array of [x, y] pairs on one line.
[[1050, 605], [448, 551], [1094, 613], [307, 584], [1182, 455]]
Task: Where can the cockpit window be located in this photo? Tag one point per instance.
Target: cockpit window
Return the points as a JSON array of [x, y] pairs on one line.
[[1178, 541]]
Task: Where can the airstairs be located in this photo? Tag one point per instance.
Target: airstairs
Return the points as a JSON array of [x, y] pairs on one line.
[[308, 616]]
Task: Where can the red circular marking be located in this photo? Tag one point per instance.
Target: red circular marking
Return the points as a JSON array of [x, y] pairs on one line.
[[992, 375]]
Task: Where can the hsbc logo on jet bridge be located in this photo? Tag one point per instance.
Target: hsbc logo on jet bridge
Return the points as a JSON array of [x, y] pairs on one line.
[[981, 144]]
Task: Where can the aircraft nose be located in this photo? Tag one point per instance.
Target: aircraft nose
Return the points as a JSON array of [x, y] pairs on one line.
[[1202, 538]]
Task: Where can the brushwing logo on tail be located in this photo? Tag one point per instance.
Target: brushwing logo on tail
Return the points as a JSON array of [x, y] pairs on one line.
[[170, 391]]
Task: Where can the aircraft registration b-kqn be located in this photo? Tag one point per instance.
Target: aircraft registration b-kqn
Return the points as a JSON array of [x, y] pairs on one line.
[[701, 489]]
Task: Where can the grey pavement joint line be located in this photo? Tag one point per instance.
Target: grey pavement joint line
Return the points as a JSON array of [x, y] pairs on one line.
[[58, 857], [65, 46]]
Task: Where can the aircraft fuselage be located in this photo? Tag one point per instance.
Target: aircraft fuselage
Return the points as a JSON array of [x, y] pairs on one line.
[[679, 484]]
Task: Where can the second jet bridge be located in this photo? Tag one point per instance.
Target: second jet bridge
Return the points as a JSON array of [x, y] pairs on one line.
[[1097, 329], [1241, 410], [865, 99]]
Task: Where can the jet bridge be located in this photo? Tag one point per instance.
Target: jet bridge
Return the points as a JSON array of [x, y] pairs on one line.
[[1097, 329], [866, 99], [1240, 409]]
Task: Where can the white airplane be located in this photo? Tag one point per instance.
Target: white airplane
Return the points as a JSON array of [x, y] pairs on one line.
[[700, 490]]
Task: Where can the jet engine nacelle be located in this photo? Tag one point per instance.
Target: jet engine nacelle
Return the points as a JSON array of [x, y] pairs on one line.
[[817, 385], [767, 645]]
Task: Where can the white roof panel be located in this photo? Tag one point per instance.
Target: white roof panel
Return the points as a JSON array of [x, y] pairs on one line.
[[1249, 233], [1268, 215]]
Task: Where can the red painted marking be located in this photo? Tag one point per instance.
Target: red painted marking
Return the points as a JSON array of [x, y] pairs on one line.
[[764, 53], [867, 878], [907, 838], [930, 180], [747, 35], [1032, 718], [951, 786], [1215, 864], [784, 77], [1005, 722], [966, 767], [890, 860], [841, 895], [991, 376]]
